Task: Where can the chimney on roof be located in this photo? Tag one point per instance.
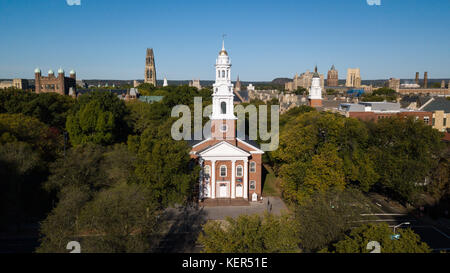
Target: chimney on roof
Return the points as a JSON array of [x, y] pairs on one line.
[[417, 77], [425, 80]]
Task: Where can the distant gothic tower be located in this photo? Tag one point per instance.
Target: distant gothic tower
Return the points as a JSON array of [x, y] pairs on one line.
[[238, 85], [332, 78], [315, 92], [150, 68], [353, 78]]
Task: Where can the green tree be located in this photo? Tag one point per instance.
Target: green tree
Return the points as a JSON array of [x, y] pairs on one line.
[[331, 91], [49, 108], [384, 91], [250, 234], [80, 168], [121, 219], [18, 127], [300, 91], [144, 115], [358, 163], [145, 89], [327, 216], [293, 113], [439, 188], [405, 151], [21, 194], [164, 166], [381, 94], [60, 225], [13, 101], [436, 85], [321, 151], [98, 117], [357, 240], [78, 179]]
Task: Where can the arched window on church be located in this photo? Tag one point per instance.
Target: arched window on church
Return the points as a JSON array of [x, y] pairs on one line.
[[227, 74], [223, 171], [223, 73], [223, 107], [239, 171]]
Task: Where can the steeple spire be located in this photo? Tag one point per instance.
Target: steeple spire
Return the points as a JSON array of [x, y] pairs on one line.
[[223, 88], [223, 42], [316, 75]]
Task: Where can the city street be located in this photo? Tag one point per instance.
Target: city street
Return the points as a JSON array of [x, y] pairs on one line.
[[435, 233]]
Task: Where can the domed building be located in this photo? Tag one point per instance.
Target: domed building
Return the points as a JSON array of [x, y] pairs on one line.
[[57, 84]]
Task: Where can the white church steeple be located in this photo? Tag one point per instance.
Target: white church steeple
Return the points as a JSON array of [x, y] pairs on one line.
[[223, 96], [315, 92]]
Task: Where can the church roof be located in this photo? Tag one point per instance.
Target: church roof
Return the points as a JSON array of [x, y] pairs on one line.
[[437, 104], [224, 149], [241, 94], [208, 137]]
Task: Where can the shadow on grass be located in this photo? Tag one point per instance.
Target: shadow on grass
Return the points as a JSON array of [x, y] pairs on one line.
[[186, 225]]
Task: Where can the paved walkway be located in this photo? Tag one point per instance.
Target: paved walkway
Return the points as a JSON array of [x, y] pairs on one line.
[[276, 206]]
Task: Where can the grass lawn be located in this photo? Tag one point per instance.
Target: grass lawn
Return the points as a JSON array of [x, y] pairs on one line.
[[271, 184]]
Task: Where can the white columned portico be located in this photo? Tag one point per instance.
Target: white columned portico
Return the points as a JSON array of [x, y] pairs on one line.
[[213, 178], [201, 178], [245, 179], [233, 179]]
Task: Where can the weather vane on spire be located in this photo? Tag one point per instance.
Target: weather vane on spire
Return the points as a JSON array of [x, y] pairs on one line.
[[223, 41]]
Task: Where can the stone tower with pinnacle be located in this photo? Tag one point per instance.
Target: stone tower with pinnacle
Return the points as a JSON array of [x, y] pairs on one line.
[[150, 68]]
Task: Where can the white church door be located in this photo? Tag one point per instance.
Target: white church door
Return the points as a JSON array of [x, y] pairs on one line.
[[223, 190], [239, 190]]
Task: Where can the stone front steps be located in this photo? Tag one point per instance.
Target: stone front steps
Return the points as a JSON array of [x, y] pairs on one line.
[[218, 202]]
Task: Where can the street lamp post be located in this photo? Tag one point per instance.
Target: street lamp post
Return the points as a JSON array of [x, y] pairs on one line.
[[405, 223]]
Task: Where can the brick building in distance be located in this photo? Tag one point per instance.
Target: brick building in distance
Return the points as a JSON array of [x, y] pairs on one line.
[[374, 111], [57, 84]]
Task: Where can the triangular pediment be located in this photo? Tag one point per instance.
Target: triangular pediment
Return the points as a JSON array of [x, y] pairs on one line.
[[224, 149]]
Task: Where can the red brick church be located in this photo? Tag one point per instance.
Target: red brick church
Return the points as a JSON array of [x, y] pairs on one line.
[[231, 167]]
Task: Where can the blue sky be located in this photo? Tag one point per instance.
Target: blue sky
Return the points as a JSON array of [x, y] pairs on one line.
[[107, 39]]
